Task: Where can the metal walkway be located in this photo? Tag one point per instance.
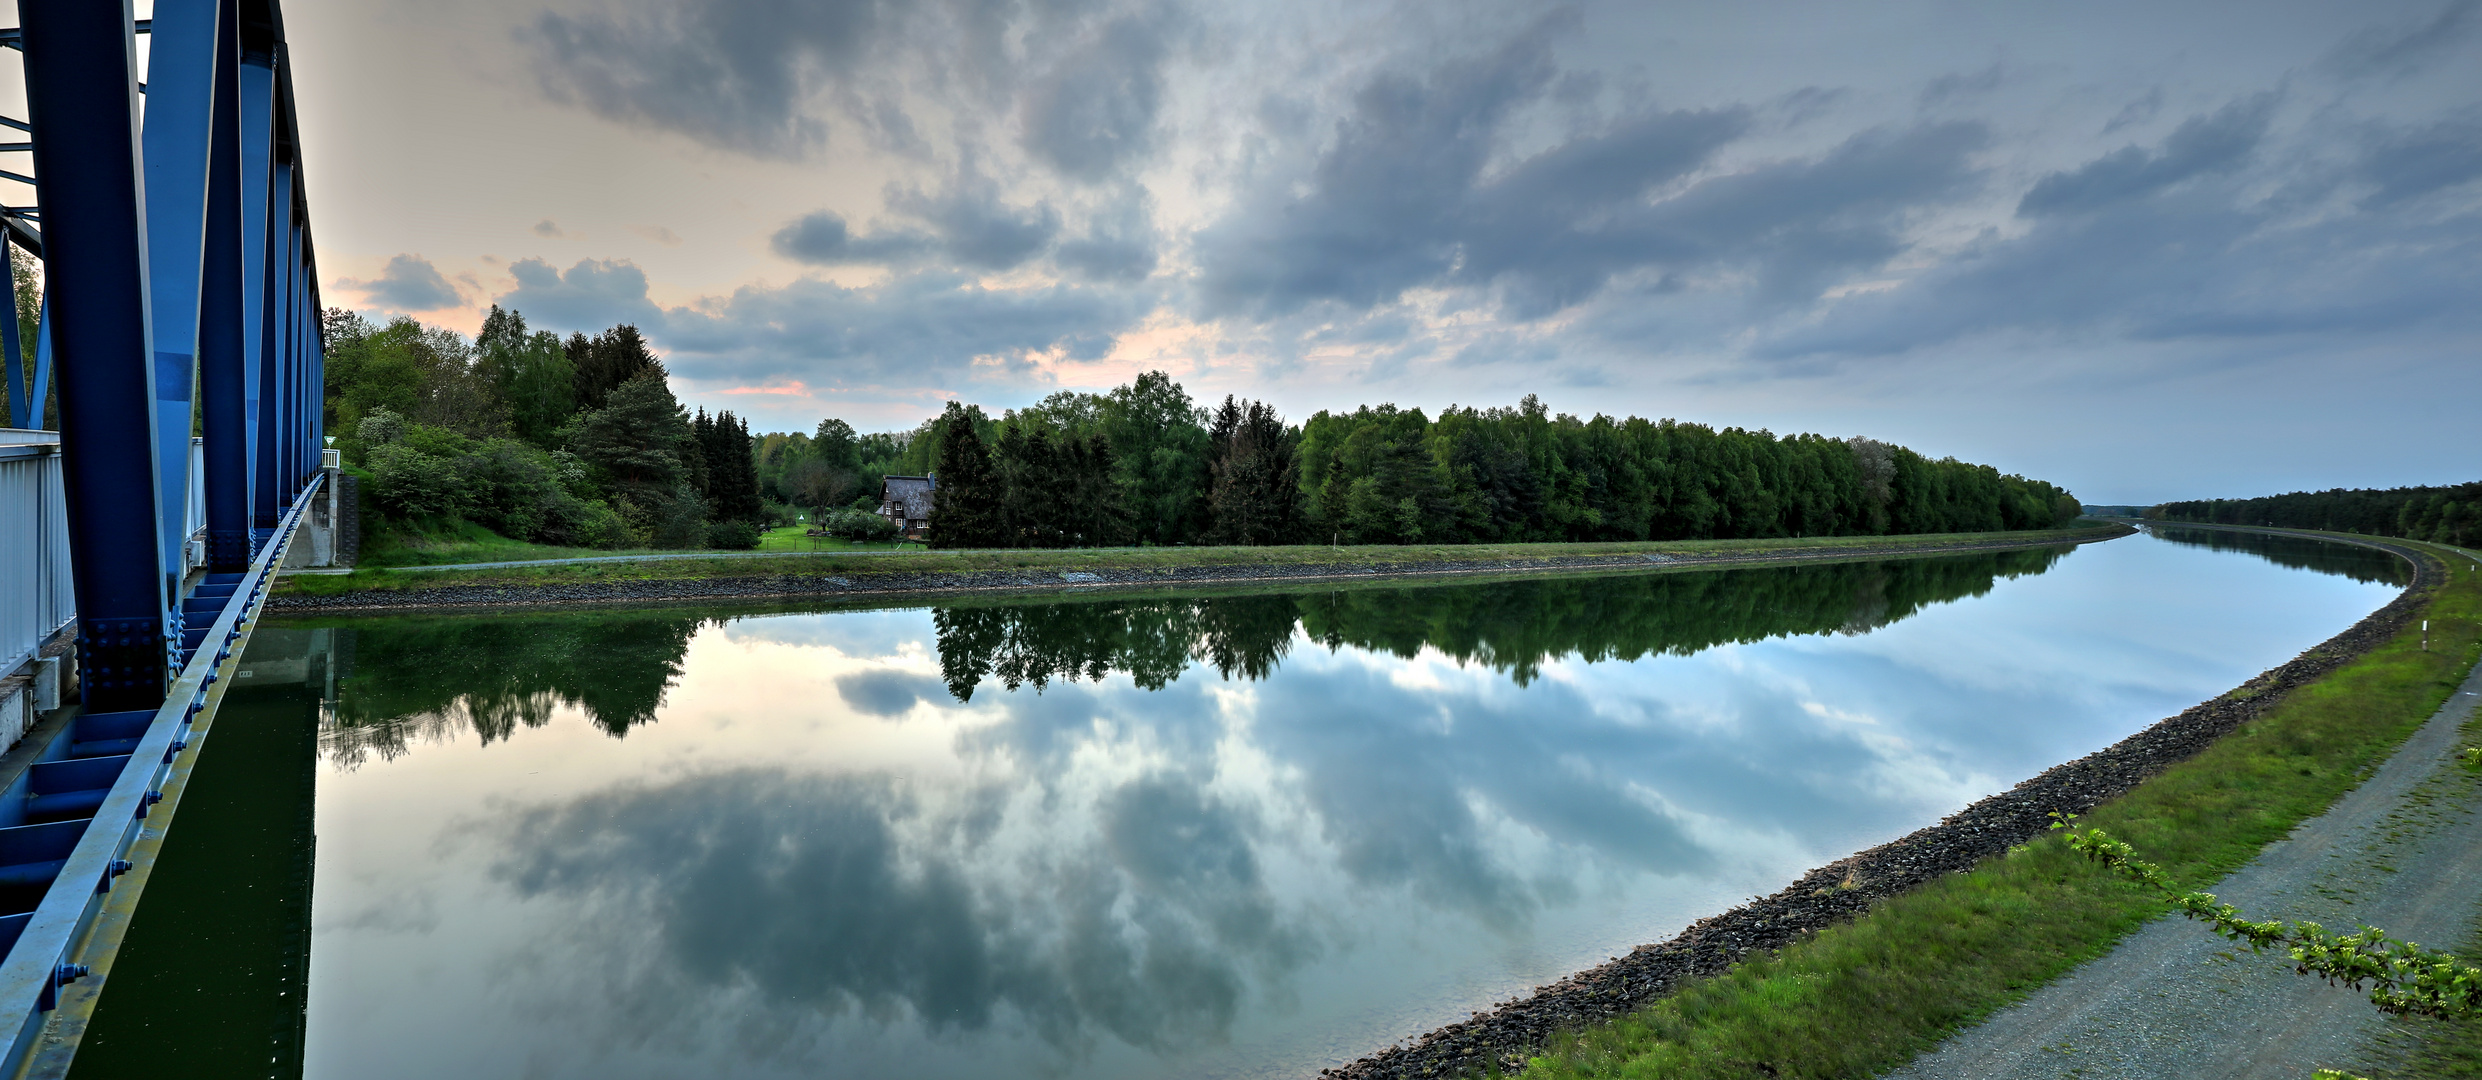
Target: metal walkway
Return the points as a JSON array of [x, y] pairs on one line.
[[166, 207]]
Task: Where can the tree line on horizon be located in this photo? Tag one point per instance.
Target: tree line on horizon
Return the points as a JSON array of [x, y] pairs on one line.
[[581, 442], [1143, 463], [2441, 515]]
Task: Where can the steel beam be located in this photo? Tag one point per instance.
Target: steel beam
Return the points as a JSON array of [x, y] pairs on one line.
[[180, 111], [257, 90], [224, 372], [305, 335], [82, 99], [42, 354], [13, 351], [275, 488]]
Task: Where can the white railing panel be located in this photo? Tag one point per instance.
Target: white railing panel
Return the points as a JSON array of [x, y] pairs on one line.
[[36, 594]]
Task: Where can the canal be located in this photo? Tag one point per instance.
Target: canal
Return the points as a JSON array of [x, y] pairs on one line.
[[1244, 834]]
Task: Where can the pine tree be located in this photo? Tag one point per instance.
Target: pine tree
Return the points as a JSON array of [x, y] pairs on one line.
[[1253, 476], [732, 471], [965, 507], [604, 362], [637, 442]]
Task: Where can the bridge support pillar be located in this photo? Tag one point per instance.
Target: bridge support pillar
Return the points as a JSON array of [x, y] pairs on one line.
[[82, 101]]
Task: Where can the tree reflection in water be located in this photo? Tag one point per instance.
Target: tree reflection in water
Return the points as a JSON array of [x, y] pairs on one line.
[[428, 678], [2368, 565], [1511, 626]]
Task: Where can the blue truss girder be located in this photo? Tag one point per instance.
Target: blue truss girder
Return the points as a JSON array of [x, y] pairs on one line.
[[82, 97], [178, 142], [180, 274]]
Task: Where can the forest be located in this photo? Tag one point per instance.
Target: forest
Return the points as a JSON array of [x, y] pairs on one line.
[[1143, 464], [2441, 515], [576, 443], [581, 442]]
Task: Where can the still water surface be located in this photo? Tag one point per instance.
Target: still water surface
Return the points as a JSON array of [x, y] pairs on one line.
[[1247, 835]]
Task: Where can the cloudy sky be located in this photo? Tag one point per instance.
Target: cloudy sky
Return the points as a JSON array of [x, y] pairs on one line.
[[2147, 250]]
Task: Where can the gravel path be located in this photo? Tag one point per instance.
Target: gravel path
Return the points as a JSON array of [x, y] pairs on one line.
[[2402, 852]]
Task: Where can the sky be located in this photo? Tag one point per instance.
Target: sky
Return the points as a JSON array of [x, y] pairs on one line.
[[2147, 251]]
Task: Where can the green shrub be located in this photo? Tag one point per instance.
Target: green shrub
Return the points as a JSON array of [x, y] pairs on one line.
[[859, 525], [732, 535], [409, 484]]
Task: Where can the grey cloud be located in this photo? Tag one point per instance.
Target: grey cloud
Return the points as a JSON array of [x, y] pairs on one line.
[[1372, 224], [735, 74], [548, 229], [823, 239], [2213, 143], [2411, 164], [2136, 112], [408, 283], [968, 224], [2187, 244], [1403, 200], [1961, 86], [591, 295], [836, 895], [975, 227], [886, 692], [1120, 241], [927, 328], [2396, 49], [1095, 109]]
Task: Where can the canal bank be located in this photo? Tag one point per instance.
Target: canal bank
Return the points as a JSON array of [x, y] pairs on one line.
[[1972, 915], [933, 575], [1309, 821]]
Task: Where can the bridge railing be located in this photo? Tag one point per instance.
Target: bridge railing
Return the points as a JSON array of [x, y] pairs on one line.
[[37, 596]]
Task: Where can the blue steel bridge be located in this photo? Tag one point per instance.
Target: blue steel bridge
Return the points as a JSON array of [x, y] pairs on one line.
[[156, 181]]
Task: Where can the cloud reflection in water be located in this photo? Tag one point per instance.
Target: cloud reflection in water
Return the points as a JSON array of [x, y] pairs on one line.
[[1159, 826]]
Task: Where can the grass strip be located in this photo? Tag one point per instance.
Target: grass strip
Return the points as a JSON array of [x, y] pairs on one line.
[[917, 561], [466, 542], [1863, 997]]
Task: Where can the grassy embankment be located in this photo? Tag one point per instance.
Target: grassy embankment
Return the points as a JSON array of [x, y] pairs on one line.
[[1866, 996], [467, 542], [802, 560]]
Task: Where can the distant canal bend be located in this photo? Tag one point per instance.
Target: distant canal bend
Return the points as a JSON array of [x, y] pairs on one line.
[[1250, 834]]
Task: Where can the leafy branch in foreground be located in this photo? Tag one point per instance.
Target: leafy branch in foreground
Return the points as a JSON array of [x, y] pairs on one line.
[[2405, 978]]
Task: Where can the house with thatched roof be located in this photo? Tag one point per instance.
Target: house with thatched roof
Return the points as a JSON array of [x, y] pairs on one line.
[[906, 501]]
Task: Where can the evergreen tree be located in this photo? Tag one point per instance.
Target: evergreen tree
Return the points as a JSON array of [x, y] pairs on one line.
[[965, 508], [637, 442], [732, 471], [1254, 477], [606, 361]]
